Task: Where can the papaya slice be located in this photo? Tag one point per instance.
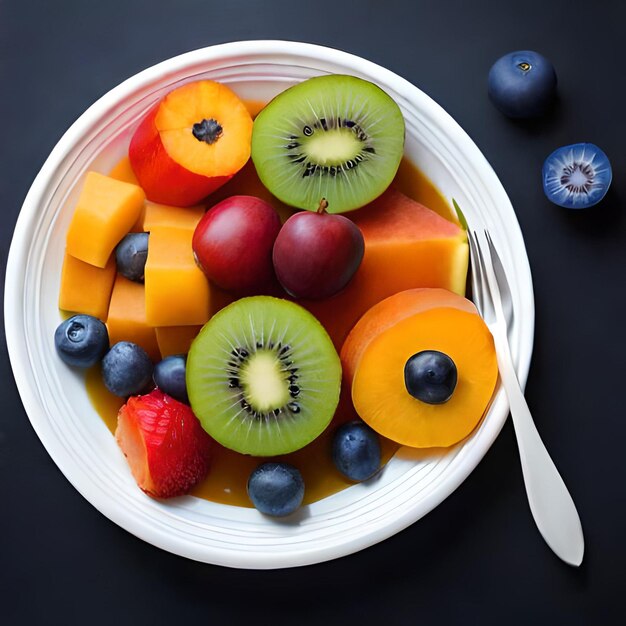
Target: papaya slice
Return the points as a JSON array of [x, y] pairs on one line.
[[381, 343]]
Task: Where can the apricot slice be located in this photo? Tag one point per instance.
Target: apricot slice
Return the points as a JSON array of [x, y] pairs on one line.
[[381, 343], [391, 311], [191, 143]]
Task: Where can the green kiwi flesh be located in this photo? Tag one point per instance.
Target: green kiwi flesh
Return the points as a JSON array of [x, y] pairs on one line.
[[263, 376], [335, 137]]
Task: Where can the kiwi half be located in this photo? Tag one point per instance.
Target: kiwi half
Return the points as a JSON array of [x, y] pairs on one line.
[[335, 137], [263, 376]]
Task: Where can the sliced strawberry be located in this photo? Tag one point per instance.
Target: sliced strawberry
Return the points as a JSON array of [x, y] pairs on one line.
[[166, 447]]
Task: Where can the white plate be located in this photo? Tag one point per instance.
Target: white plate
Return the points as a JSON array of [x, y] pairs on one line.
[[55, 399]]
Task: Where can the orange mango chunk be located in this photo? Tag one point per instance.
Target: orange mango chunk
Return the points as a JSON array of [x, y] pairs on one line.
[[106, 211], [86, 288], [175, 339], [127, 317], [159, 215], [123, 171], [177, 291]]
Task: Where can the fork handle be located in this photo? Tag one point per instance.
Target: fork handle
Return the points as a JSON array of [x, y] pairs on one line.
[[550, 502]]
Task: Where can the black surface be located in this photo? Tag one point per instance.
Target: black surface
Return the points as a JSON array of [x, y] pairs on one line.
[[478, 557]]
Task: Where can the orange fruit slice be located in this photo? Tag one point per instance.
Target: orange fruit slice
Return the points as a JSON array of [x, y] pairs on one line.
[[381, 343]]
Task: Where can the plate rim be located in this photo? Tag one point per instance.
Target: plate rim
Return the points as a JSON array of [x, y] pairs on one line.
[[18, 254]]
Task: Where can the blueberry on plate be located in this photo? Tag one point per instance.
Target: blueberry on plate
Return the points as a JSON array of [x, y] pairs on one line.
[[522, 84], [276, 489], [430, 376], [81, 340], [169, 377], [131, 254], [577, 176], [356, 450], [126, 369]]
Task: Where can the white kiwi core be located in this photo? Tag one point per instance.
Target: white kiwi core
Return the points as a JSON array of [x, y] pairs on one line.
[[333, 147], [263, 382]]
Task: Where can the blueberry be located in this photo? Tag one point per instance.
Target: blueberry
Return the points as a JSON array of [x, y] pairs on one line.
[[522, 84], [276, 488], [430, 376], [576, 176], [356, 451], [131, 255], [126, 369], [81, 340], [169, 377]]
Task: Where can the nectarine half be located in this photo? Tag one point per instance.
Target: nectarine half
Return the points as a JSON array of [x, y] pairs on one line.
[[192, 142]]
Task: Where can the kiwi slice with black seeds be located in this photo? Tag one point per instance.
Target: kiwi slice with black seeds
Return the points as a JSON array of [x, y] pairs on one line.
[[263, 376], [335, 138]]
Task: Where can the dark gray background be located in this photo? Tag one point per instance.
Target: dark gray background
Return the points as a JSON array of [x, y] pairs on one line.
[[477, 558]]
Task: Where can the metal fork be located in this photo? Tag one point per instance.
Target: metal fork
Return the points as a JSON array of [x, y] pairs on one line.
[[551, 505]]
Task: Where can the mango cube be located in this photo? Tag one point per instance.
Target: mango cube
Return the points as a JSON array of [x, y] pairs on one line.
[[162, 215], [106, 211], [127, 317], [175, 339], [86, 288], [123, 171], [177, 291]]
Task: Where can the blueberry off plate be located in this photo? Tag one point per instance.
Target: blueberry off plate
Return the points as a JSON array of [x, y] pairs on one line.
[[55, 397]]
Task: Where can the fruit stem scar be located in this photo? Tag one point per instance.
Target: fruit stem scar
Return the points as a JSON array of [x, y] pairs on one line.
[[524, 66], [323, 206], [208, 131]]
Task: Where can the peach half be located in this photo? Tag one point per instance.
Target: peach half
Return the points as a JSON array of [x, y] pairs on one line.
[[191, 143]]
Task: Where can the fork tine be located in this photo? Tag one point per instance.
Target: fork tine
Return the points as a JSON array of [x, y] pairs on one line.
[[492, 287], [502, 280], [486, 303], [477, 280]]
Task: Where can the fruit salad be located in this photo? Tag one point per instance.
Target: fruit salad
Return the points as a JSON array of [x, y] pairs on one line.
[[265, 310]]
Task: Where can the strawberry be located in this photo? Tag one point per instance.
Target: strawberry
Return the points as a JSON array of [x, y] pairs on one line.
[[166, 447]]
